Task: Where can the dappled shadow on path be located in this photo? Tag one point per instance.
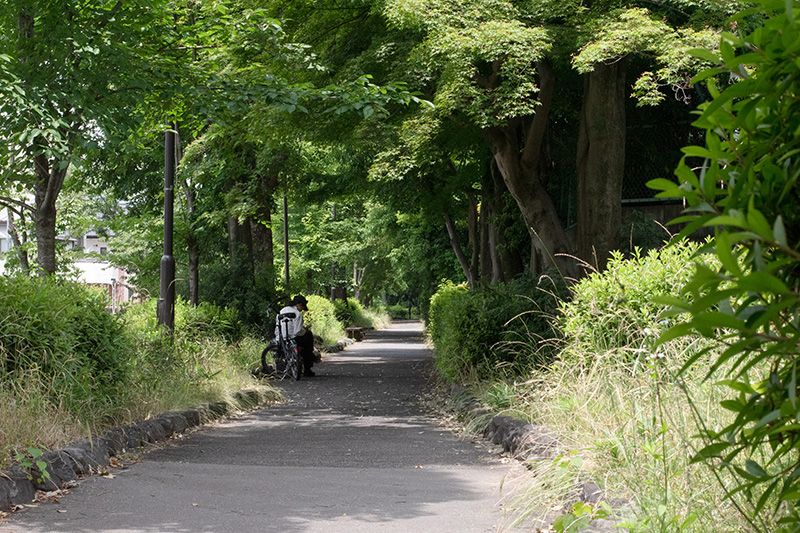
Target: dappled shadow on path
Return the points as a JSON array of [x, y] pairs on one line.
[[350, 451]]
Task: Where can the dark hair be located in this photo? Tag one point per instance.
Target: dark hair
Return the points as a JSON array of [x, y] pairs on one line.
[[299, 299]]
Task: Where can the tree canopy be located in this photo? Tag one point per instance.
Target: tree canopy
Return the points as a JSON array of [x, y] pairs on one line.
[[475, 125]]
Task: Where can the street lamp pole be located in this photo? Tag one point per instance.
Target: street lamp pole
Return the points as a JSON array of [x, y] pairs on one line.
[[286, 240], [166, 303]]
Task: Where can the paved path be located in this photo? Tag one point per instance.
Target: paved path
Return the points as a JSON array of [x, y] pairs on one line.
[[351, 451]]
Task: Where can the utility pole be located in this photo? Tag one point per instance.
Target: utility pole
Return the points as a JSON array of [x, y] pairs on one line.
[[286, 240], [166, 303]]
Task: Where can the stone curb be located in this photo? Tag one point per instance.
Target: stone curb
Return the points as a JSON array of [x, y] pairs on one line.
[[18, 486], [519, 439], [526, 442], [338, 347]]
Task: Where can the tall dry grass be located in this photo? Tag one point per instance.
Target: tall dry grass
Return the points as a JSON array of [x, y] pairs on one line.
[[205, 361]]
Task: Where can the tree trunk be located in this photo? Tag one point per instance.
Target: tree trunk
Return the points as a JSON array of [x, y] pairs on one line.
[[601, 162], [474, 237], [520, 171], [263, 246], [263, 238], [194, 269], [508, 258], [240, 246], [491, 268], [358, 280], [19, 242], [49, 183], [487, 247], [462, 259], [192, 244]]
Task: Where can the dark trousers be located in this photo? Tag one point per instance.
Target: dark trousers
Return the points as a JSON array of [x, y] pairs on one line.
[[306, 345]]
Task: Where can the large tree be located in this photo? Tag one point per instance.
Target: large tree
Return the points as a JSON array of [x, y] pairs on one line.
[[499, 63], [76, 74]]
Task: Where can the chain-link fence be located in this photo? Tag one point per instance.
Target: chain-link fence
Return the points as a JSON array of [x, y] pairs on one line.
[[652, 151]]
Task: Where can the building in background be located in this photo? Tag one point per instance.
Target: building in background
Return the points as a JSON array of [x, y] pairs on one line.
[[112, 278], [92, 270]]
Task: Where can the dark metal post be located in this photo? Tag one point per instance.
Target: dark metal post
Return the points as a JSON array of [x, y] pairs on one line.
[[286, 240], [166, 304]]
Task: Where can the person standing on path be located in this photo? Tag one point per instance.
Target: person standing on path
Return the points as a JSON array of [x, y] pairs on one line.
[[297, 330]]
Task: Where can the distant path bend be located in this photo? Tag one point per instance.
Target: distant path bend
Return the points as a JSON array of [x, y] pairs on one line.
[[351, 451]]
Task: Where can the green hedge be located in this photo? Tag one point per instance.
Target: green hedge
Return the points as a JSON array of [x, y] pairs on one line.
[[352, 314], [494, 331], [63, 331], [321, 317]]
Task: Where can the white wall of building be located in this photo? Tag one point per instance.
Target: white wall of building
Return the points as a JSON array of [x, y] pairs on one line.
[[91, 271]]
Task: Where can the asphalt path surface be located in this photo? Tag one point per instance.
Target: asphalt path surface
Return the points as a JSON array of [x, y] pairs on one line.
[[352, 450]]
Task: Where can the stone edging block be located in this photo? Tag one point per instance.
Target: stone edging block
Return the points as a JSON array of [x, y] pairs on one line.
[[338, 347], [82, 457], [526, 442]]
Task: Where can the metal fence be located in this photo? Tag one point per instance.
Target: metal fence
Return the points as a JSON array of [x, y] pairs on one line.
[[652, 151]]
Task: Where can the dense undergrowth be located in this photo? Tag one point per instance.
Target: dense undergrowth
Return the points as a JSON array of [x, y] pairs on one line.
[[688, 411], [588, 371], [69, 368], [495, 331]]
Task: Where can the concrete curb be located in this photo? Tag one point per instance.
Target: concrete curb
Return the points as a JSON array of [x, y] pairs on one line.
[[530, 442], [519, 439], [18, 485], [338, 347]]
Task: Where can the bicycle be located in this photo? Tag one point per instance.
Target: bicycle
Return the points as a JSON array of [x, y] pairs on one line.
[[287, 357]]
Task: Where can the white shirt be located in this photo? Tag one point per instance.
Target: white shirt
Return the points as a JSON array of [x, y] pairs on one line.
[[293, 327]]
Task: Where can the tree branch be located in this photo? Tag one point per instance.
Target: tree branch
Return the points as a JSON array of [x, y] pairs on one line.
[[462, 259], [15, 205], [533, 142]]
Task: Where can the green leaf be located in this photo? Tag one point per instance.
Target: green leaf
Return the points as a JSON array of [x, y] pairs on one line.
[[732, 405], [725, 254], [679, 330], [728, 220], [715, 320], [779, 230], [770, 417], [703, 53], [740, 386], [661, 184], [762, 282], [755, 470], [697, 151], [758, 223], [673, 301]]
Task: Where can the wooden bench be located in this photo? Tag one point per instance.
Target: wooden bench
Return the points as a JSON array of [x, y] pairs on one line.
[[356, 334]]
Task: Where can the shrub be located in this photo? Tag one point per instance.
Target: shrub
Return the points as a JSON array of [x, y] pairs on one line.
[[378, 316], [66, 364], [62, 330], [321, 316], [614, 309], [747, 189], [207, 320], [352, 314], [402, 312], [501, 329], [236, 288]]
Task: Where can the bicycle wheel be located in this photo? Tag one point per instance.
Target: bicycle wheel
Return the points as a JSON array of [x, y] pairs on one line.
[[281, 368], [264, 365], [293, 366]]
